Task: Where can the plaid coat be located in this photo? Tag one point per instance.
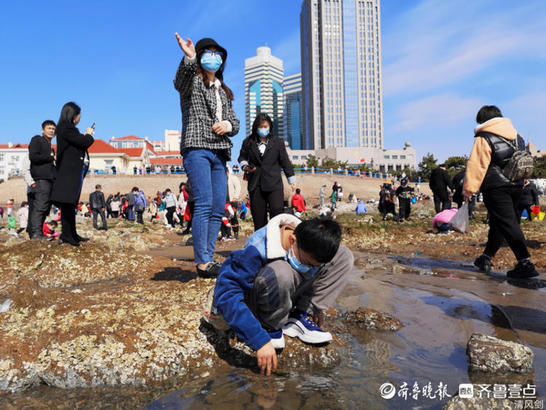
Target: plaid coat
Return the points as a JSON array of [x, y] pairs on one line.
[[198, 104]]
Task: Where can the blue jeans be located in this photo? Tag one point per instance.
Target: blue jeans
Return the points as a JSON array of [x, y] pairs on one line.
[[207, 174]]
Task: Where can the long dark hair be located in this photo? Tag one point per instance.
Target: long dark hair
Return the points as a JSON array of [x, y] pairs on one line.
[[68, 113], [261, 117], [219, 74]]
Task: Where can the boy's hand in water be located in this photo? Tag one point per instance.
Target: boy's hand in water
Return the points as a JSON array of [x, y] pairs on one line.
[[267, 358]]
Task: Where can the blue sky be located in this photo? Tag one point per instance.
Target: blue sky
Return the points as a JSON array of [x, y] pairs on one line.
[[442, 60]]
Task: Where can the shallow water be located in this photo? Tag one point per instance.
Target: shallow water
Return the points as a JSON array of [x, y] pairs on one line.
[[440, 303]]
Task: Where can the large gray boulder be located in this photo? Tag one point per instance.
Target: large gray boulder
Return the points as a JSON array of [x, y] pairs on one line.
[[489, 354]]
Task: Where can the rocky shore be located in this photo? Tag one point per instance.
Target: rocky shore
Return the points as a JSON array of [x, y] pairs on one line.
[[125, 308]]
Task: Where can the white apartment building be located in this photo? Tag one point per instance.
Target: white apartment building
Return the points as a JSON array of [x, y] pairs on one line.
[[11, 159], [264, 75]]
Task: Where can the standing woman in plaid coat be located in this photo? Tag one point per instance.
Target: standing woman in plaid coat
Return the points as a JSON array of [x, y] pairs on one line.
[[208, 122]]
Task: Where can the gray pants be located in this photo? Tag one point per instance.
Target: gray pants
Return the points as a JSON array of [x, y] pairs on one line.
[[100, 212], [278, 289], [41, 205]]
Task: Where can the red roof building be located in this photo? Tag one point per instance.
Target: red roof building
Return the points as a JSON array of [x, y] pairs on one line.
[[131, 141]]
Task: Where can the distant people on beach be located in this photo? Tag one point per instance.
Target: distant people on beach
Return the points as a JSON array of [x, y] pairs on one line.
[[205, 142], [387, 199], [439, 185], [98, 207], [528, 198], [263, 155], [495, 141], [72, 164], [404, 194], [140, 204], [22, 217], [43, 173], [298, 203]]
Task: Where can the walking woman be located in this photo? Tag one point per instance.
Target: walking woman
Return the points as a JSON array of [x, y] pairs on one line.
[[262, 156], [208, 122], [72, 164]]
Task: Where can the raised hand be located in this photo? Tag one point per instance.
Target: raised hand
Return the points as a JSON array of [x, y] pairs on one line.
[[187, 46]]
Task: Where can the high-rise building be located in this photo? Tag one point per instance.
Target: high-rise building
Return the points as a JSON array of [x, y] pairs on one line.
[[293, 111], [264, 76], [341, 70]]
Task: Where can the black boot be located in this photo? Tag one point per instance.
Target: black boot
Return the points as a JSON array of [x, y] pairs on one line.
[[523, 270]]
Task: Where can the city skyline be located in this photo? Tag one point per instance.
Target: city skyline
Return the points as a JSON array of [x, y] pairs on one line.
[[441, 62]]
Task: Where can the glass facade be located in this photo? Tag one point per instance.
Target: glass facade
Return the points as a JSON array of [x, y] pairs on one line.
[[350, 74], [341, 73]]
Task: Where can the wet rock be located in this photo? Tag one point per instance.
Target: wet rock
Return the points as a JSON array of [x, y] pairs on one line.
[[296, 354], [367, 318], [458, 403], [489, 354]]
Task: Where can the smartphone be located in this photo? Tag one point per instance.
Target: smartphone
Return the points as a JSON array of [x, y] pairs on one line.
[[93, 126]]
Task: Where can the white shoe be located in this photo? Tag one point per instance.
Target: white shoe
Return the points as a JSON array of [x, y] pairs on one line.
[[302, 326]]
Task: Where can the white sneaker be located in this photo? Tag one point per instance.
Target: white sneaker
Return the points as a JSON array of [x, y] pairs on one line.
[[301, 325]]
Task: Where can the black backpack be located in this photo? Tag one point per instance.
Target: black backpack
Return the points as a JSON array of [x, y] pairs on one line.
[[520, 165], [517, 167]]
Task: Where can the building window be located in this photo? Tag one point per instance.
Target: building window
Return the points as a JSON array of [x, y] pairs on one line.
[[402, 157], [395, 157], [1, 156], [387, 156]]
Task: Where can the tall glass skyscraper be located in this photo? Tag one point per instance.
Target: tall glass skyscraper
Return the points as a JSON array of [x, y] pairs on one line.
[[292, 111], [264, 75], [341, 70]]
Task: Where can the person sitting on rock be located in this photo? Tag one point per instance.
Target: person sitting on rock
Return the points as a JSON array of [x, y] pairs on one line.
[[288, 272]]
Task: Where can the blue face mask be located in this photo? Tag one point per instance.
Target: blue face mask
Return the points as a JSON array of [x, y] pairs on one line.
[[211, 61], [263, 132], [306, 271]]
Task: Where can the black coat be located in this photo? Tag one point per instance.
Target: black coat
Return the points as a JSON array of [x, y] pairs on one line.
[[529, 195], [71, 151], [439, 182], [268, 175], [42, 158], [96, 200]]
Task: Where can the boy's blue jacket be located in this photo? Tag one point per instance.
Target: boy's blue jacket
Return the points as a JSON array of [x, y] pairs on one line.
[[236, 279]]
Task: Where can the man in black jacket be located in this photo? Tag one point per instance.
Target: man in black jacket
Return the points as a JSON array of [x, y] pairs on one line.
[[98, 206], [439, 182], [528, 198], [42, 169]]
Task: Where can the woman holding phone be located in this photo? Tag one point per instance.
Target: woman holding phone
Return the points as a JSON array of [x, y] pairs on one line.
[[72, 163], [262, 157], [208, 122]]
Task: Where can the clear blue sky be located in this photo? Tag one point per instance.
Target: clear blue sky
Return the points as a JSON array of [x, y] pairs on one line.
[[441, 61]]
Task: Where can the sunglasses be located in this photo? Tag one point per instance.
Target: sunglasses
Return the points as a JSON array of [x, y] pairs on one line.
[[214, 53]]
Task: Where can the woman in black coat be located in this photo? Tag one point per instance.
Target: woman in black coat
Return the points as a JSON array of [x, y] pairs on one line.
[[72, 164], [262, 157]]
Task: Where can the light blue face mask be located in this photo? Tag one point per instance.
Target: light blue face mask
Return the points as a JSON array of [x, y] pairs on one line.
[[263, 132], [307, 271], [211, 62]]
